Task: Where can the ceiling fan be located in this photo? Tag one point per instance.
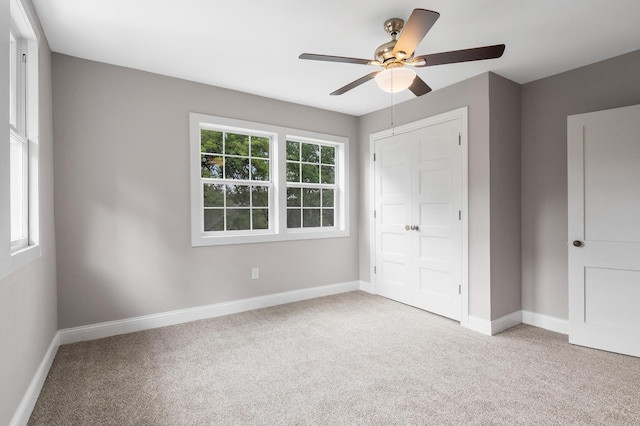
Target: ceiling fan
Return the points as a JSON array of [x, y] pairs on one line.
[[397, 56]]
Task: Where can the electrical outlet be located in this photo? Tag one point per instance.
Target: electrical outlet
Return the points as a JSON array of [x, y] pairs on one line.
[[255, 273]]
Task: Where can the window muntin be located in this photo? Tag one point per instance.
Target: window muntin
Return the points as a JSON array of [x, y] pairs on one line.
[[240, 192], [235, 171], [311, 185]]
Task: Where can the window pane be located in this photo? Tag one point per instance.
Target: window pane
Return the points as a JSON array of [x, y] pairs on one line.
[[210, 166], [236, 168], [238, 219], [259, 147], [211, 141], [328, 174], [311, 218], [293, 172], [327, 217], [213, 220], [213, 195], [310, 173], [17, 188], [293, 151], [310, 153], [238, 195], [260, 219], [310, 197], [328, 155], [259, 169], [294, 218], [260, 196], [327, 198], [293, 197], [236, 144], [13, 82]]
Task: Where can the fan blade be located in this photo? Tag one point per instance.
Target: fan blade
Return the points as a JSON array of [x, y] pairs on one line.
[[465, 55], [329, 58], [355, 84], [418, 25], [419, 87]]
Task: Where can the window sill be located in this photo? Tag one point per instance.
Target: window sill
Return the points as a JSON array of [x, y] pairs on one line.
[[215, 240], [19, 259]]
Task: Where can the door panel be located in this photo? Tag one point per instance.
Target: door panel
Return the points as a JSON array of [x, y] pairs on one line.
[[604, 215], [392, 214], [604, 304], [611, 161]]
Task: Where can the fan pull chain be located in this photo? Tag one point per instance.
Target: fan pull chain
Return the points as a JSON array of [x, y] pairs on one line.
[[393, 109], [393, 112]]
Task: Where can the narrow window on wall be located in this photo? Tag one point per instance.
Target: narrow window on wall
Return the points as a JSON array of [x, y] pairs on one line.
[[236, 181], [18, 143], [19, 203]]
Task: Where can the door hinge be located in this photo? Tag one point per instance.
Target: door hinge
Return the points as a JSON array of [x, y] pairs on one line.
[[459, 138], [375, 270], [374, 156], [459, 289], [374, 214], [459, 214], [24, 58]]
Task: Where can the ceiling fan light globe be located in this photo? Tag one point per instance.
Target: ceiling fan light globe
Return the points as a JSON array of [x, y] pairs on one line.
[[394, 80]]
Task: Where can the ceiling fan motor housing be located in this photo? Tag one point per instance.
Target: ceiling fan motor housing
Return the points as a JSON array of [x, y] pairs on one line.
[[384, 53]]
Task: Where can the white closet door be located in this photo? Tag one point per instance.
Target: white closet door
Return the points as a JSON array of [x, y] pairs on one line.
[[604, 229], [418, 229]]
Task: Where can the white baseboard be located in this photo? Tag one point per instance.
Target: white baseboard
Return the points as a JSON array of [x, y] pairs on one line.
[[494, 327], [23, 412], [480, 325], [506, 322], [491, 328], [367, 287], [130, 325], [545, 321]]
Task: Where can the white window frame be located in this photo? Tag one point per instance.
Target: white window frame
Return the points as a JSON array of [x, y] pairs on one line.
[[21, 130], [278, 230]]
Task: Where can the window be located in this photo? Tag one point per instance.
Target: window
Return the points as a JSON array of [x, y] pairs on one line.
[[252, 182], [19, 176], [311, 185]]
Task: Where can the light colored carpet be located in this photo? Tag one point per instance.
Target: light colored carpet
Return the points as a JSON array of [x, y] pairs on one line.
[[348, 359]]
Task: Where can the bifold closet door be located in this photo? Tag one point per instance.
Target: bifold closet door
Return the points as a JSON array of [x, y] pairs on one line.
[[418, 228]]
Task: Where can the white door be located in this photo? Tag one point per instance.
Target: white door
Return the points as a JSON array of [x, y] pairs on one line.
[[418, 226], [604, 229]]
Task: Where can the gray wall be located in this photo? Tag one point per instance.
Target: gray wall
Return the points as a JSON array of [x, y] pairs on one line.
[[504, 99], [122, 198], [473, 93], [546, 104], [28, 316]]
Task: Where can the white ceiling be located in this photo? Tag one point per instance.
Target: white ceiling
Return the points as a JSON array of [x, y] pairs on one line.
[[253, 45]]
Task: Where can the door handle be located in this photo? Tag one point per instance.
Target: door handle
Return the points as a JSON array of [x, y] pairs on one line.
[[578, 243], [415, 227]]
